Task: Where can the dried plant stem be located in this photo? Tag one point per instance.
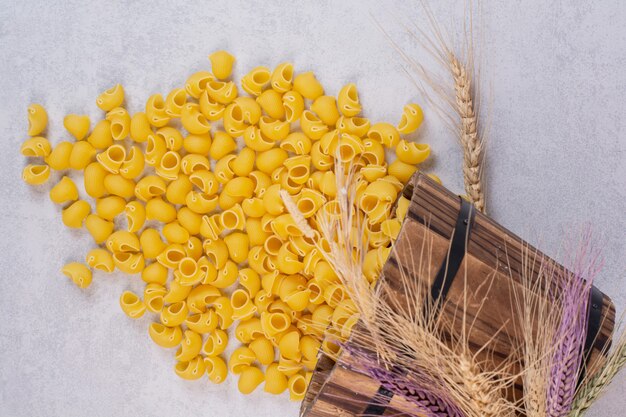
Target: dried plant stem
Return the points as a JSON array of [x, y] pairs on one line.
[[458, 106], [591, 389], [470, 141]]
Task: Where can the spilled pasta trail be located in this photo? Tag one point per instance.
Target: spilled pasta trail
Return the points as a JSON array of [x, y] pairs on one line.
[[197, 177]]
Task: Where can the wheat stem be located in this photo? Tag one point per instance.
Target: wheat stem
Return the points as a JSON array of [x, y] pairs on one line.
[[595, 386]]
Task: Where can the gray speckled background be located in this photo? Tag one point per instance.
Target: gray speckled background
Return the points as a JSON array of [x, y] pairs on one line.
[[556, 161]]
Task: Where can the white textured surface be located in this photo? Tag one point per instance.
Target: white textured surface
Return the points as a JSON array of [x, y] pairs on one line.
[[556, 160]]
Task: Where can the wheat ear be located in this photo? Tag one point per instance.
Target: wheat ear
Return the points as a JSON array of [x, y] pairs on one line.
[[591, 389], [470, 140], [458, 106]]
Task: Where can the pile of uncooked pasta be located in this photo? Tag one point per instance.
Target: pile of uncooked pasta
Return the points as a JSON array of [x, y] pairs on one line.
[[187, 195]]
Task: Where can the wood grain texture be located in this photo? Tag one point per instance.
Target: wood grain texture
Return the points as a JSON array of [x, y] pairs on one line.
[[482, 290]]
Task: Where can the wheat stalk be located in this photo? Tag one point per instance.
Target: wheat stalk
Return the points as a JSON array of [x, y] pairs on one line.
[[458, 106], [592, 388], [470, 140]]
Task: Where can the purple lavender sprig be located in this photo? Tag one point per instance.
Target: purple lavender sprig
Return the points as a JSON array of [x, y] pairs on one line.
[[415, 386], [571, 330], [427, 402]]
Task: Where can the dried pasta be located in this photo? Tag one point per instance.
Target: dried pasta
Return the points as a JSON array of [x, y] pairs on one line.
[[198, 175]]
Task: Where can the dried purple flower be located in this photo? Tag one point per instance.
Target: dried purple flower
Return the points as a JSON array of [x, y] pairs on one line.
[[415, 386], [571, 329]]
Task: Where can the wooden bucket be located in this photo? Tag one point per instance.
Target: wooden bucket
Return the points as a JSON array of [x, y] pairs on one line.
[[492, 253]]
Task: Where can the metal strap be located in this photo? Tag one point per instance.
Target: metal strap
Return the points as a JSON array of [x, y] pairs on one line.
[[439, 290], [451, 264]]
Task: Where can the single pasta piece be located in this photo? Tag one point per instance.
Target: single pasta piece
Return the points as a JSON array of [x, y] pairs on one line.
[[211, 108], [357, 126], [59, 158], [166, 337], [133, 164], [78, 273], [169, 166], [193, 163], [149, 187], [412, 153], [326, 109], [135, 216], [101, 136], [175, 101], [401, 170], [109, 207], [123, 241], [238, 246], [99, 228], [113, 158], [222, 64], [256, 80], [93, 180], [37, 146], [155, 111], [250, 378], [155, 149], [289, 345], [203, 323], [312, 126], [75, 214], [263, 350], [155, 273], [37, 119], [348, 101], [132, 305], [240, 359], [197, 83], [120, 123], [412, 117], [197, 144], [306, 84], [174, 314], [275, 130], [175, 233], [82, 155], [248, 330], [131, 263], [160, 210], [222, 92], [111, 98], [201, 296], [100, 259], [275, 381], [293, 104], [115, 184], [297, 387], [193, 369], [243, 164], [154, 293], [177, 293], [216, 368], [272, 103], [140, 127], [77, 125], [36, 174], [384, 133], [282, 77], [222, 145]]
